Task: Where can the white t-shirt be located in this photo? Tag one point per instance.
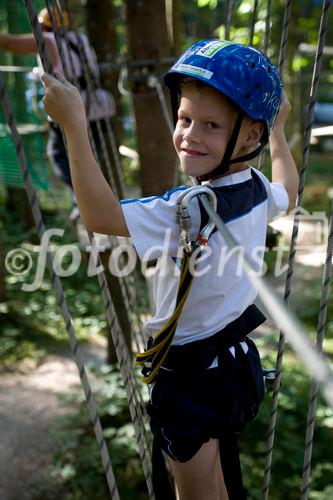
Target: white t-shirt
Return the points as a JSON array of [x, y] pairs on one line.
[[220, 291]]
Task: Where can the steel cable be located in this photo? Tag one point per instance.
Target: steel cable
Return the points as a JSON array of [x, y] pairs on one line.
[[292, 251], [93, 83], [319, 344], [124, 360], [129, 377], [126, 289], [282, 316], [253, 21], [76, 352], [228, 19]]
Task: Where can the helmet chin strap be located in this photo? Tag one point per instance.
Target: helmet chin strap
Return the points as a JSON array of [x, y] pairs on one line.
[[224, 166]]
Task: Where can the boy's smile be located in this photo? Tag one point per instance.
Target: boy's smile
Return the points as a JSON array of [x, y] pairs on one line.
[[205, 122]]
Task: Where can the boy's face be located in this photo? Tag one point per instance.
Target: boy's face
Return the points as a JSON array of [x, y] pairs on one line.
[[205, 121]]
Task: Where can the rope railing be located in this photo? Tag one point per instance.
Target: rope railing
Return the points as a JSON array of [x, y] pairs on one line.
[[262, 156], [292, 251], [115, 179], [132, 380], [228, 19], [282, 316], [253, 21], [68, 67], [319, 345], [124, 360], [125, 283], [284, 36], [76, 352], [267, 26], [93, 82]]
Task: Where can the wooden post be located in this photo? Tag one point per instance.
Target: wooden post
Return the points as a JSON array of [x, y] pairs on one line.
[[147, 38]]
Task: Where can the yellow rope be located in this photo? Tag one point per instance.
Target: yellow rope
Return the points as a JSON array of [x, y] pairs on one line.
[[163, 338]]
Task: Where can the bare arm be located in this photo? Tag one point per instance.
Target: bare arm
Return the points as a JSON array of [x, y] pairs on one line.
[[100, 210], [25, 44], [284, 170]]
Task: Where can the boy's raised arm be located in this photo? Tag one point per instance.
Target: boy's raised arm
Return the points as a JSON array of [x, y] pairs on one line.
[[284, 170], [99, 209]]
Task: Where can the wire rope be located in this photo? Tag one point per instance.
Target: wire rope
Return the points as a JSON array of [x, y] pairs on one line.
[[253, 21], [283, 317], [124, 360], [76, 352], [93, 82], [319, 344], [129, 377], [292, 251], [228, 19]]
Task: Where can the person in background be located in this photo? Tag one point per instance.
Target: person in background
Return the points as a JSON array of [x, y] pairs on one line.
[[99, 105]]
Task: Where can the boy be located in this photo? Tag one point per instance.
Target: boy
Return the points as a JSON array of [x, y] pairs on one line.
[[229, 96]]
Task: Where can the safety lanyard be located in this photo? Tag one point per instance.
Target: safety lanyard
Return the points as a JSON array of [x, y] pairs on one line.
[[158, 347]]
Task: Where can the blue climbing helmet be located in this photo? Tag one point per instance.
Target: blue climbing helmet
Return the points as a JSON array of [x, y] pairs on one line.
[[243, 74]]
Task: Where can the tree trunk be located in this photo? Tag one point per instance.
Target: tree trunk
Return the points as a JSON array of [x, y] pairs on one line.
[[101, 29], [173, 18], [147, 38]]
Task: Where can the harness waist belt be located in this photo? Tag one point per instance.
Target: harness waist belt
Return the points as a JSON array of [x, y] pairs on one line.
[[201, 353]]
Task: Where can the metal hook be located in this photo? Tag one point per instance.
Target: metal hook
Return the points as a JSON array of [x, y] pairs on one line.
[[183, 218]]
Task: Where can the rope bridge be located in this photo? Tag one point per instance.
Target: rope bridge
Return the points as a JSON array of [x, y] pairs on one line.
[[290, 328]]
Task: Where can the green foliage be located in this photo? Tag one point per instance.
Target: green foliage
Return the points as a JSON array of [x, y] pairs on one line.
[[31, 322], [77, 469], [210, 3], [289, 441]]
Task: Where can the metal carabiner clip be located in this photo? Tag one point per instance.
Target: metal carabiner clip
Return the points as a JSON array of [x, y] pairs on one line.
[[183, 218]]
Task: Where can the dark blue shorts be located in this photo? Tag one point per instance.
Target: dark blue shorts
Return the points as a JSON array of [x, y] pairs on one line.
[[191, 403]]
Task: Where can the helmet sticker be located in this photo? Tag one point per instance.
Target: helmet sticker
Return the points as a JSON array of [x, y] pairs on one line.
[[193, 70], [210, 49]]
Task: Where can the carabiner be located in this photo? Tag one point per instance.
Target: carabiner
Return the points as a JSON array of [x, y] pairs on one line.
[[183, 218]]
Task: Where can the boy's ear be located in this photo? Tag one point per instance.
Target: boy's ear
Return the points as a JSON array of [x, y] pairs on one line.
[[254, 134]]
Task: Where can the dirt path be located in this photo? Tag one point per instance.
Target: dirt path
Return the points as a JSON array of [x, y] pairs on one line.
[[29, 404]]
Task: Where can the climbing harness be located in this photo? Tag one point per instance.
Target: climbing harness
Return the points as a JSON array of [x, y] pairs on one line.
[[158, 347]]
